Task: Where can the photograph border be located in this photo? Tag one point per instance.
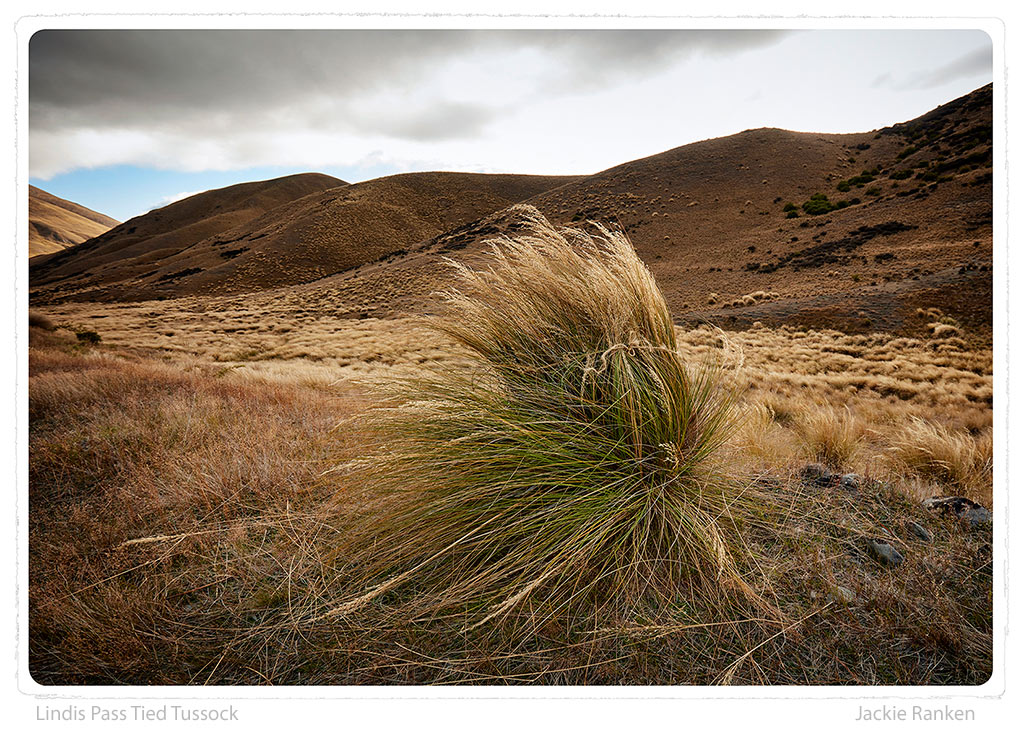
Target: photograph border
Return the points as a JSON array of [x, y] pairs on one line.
[[996, 685]]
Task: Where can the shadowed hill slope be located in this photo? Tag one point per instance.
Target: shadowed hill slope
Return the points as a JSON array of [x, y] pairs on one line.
[[55, 224], [304, 239], [148, 241]]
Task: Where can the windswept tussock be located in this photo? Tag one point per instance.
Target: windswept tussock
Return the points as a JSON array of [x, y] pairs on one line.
[[567, 469], [39, 320], [936, 453], [832, 436]]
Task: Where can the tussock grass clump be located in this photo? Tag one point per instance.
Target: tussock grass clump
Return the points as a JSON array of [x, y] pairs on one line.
[[762, 438], [568, 467], [936, 453], [943, 330], [830, 436], [39, 320]]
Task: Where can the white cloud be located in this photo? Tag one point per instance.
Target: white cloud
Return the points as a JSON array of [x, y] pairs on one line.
[[164, 201]]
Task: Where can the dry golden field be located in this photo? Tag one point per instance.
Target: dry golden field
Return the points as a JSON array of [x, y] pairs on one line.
[[189, 525]]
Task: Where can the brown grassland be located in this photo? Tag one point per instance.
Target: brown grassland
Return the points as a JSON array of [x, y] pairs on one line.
[[200, 511]]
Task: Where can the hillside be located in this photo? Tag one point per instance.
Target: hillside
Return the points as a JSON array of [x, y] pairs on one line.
[[854, 231], [714, 222], [146, 242], [332, 229], [55, 224]]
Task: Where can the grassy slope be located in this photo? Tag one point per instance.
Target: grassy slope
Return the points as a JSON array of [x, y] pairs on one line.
[[708, 220], [262, 234], [142, 243], [706, 217], [56, 224]]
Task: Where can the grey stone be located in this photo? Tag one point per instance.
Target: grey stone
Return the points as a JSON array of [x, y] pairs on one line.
[[851, 480], [885, 553], [977, 516], [918, 531], [961, 507], [815, 473]]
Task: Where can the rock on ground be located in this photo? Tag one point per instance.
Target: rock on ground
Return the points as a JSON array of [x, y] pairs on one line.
[[885, 553], [970, 512]]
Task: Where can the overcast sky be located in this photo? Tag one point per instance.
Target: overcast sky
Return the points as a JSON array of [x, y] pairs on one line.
[[122, 121]]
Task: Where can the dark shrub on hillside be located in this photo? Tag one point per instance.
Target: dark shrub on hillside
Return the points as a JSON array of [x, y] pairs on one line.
[[818, 205]]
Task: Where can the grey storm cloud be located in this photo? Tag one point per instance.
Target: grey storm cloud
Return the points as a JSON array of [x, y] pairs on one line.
[[593, 58], [213, 80], [125, 78], [442, 121]]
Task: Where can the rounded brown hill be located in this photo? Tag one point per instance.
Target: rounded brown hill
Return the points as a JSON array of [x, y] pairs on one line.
[[853, 230], [55, 224], [302, 240], [145, 243]]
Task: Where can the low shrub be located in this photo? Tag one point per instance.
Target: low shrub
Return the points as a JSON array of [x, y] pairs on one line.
[[819, 204], [88, 336]]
